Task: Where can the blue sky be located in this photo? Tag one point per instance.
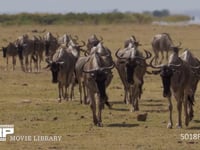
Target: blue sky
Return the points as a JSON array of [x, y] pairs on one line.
[[64, 6]]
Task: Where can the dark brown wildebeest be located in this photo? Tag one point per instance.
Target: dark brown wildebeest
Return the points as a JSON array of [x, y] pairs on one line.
[[177, 80], [95, 73], [10, 51], [62, 66], [194, 63], [26, 49], [131, 66], [105, 54]]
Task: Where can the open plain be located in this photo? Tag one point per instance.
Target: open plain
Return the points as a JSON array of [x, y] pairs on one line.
[[28, 100]]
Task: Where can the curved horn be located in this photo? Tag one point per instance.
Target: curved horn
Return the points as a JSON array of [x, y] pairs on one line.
[[148, 55], [100, 69], [179, 45], [155, 67], [83, 44], [195, 67], [76, 37], [101, 39], [176, 66], [108, 68], [116, 54], [133, 38], [89, 71], [86, 53]]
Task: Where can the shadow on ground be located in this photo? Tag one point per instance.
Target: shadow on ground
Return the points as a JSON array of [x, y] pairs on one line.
[[122, 125]]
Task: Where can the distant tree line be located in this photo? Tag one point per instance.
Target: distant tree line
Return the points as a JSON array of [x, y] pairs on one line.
[[85, 18]]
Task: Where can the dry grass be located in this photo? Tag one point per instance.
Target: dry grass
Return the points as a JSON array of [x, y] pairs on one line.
[[28, 100]]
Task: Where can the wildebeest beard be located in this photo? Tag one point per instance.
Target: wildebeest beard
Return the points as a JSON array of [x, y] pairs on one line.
[[130, 68], [166, 74], [100, 78], [20, 51], [54, 71], [47, 45]]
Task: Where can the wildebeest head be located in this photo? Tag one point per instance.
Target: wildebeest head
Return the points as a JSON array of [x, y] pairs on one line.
[[55, 68], [4, 49], [166, 72], [131, 42], [99, 74], [93, 41], [47, 46], [131, 61]]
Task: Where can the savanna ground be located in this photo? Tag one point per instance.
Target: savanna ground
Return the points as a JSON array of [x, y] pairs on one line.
[[28, 100]]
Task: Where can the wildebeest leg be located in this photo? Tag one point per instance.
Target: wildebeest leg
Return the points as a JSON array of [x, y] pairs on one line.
[[170, 123], [65, 94], [80, 91], [85, 93], [6, 64], [179, 108], [190, 111], [14, 62], [22, 65], [93, 106], [131, 97], [60, 90], [30, 65], [167, 56], [186, 110], [72, 91], [126, 96], [135, 97], [26, 64], [162, 57], [100, 108], [156, 56]]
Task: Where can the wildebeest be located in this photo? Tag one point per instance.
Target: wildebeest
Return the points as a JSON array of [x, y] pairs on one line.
[[10, 51], [62, 67], [95, 73], [51, 45], [105, 54], [193, 62], [161, 43], [26, 49], [131, 66], [177, 81], [39, 48]]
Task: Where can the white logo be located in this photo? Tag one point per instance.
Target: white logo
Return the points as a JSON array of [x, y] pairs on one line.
[[5, 130]]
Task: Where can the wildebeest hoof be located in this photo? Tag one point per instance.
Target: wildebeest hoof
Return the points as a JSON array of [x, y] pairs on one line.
[[136, 109], [178, 126], [59, 100], [169, 126], [99, 124]]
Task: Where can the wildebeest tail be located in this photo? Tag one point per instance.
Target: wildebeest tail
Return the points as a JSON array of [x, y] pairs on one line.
[[191, 99]]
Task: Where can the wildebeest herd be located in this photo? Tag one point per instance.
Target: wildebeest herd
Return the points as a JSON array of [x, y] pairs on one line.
[[91, 67]]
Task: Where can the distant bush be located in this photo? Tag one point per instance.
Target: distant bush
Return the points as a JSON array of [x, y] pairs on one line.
[[176, 18], [81, 18]]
